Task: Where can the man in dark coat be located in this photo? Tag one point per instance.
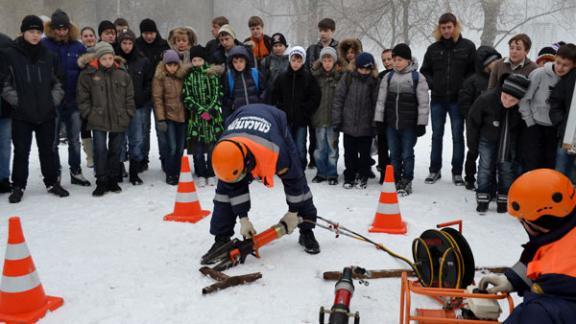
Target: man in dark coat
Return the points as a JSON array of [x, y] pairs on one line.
[[33, 89], [5, 127]]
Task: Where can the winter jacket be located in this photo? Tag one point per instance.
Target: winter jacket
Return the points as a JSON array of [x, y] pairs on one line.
[[560, 101], [297, 94], [267, 43], [141, 72], [220, 56], [5, 108], [354, 103], [327, 81], [68, 52], [313, 52], [263, 129], [447, 63], [534, 106], [245, 90], [343, 47], [545, 276], [271, 67], [106, 96], [503, 66], [477, 83], [32, 86], [488, 119], [211, 47], [400, 105], [154, 50], [167, 94]]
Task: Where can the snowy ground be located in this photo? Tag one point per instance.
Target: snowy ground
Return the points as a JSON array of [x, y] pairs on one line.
[[114, 260]]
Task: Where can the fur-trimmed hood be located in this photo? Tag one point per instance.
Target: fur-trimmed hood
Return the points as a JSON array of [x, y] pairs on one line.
[[186, 29], [73, 35], [457, 32], [343, 48], [215, 69], [161, 74], [85, 61]]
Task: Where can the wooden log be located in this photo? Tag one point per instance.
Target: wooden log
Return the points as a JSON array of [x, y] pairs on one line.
[[225, 281], [393, 273]]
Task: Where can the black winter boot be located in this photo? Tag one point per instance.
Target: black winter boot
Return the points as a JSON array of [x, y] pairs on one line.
[[16, 195], [76, 178], [134, 168], [114, 187], [502, 204], [56, 189], [101, 189], [483, 200], [219, 243], [5, 186], [308, 241]]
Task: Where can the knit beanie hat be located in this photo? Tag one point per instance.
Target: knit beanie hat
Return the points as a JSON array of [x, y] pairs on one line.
[[278, 38], [148, 25], [31, 22], [297, 50], [403, 51], [198, 51], [59, 19], [329, 50], [491, 59], [126, 34], [365, 60], [105, 25], [103, 48], [228, 30], [170, 56], [516, 85]]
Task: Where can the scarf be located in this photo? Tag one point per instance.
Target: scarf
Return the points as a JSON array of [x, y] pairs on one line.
[[260, 50], [202, 98]]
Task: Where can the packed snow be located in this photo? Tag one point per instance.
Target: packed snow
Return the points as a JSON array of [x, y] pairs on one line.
[[114, 260]]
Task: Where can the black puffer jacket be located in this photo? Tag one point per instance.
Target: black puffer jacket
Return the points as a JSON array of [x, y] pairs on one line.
[[245, 90], [296, 93], [487, 118], [140, 70], [5, 109], [560, 100], [354, 103], [32, 86], [477, 83], [154, 50], [446, 65]]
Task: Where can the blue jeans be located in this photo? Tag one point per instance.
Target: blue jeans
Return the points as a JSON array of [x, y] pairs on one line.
[[439, 111], [565, 163], [136, 135], [176, 136], [162, 138], [489, 169], [73, 124], [326, 152], [401, 144], [5, 147], [107, 151], [202, 154], [146, 111], [299, 136]]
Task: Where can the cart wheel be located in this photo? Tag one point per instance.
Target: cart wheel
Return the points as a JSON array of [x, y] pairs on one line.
[[424, 262], [469, 267]]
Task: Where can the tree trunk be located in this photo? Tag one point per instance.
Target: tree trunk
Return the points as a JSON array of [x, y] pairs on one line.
[[405, 21], [491, 10]]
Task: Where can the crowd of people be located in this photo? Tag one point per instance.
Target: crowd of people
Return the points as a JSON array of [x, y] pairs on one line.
[[106, 88]]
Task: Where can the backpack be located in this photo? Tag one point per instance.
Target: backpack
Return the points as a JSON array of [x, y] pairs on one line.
[[415, 79], [255, 76]]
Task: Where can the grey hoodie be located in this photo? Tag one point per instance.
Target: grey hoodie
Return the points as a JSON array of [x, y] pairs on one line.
[[535, 107], [401, 82]]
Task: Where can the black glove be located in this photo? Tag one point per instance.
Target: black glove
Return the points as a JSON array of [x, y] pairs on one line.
[[420, 130]]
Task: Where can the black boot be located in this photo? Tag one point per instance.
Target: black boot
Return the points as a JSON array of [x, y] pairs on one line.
[[76, 178], [134, 168], [144, 166], [101, 188], [308, 241], [483, 200], [56, 189], [502, 204], [16, 195], [114, 187], [5, 186], [219, 242]]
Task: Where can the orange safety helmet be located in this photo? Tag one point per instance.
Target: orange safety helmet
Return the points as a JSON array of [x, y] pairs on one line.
[[230, 160], [541, 192]]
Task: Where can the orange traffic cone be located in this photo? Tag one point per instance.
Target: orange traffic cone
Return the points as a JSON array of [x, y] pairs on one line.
[[387, 218], [22, 297], [187, 207]]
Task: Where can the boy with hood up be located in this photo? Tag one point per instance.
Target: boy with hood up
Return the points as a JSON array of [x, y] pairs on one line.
[[474, 86], [242, 82]]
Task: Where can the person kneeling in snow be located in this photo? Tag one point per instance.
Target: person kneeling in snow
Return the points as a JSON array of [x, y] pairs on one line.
[[544, 201], [256, 145]]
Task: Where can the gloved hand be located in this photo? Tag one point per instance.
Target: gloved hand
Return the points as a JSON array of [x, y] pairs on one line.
[[205, 116], [499, 282], [162, 126], [420, 130], [246, 228], [291, 220]]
